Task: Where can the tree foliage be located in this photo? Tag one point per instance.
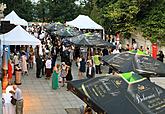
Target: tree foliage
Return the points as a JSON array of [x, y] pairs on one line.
[[56, 10], [114, 15], [153, 23], [131, 15], [24, 8]]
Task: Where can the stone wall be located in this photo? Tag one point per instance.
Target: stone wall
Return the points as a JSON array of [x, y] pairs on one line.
[[141, 41]]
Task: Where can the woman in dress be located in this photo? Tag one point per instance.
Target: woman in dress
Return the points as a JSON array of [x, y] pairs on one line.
[[69, 74], [82, 68], [9, 71], [24, 63], [64, 72], [56, 71]]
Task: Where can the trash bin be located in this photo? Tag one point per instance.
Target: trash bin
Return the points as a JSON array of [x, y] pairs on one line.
[[18, 75]]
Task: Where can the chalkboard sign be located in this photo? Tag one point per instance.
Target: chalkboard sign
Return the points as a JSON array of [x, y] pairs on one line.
[[149, 64], [147, 97], [104, 87]]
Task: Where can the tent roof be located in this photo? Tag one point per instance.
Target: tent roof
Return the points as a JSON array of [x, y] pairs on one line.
[[15, 19], [142, 64], [18, 36], [90, 40], [84, 22]]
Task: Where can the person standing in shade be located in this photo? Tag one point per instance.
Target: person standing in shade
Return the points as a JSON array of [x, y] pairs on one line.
[[18, 96], [90, 73], [105, 51], [38, 66], [69, 76], [69, 71], [82, 68], [56, 71], [160, 56], [43, 65]]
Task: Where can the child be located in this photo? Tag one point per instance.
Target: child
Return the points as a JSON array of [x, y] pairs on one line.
[[64, 72]]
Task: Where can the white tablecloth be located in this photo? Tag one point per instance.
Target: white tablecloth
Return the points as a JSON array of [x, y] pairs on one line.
[[8, 108]]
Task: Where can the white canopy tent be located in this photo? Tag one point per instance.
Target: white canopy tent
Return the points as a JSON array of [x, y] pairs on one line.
[[84, 22], [15, 19], [18, 36]]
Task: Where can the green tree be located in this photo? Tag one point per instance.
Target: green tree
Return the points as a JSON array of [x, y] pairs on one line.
[[57, 10], [41, 10], [120, 15], [24, 8], [152, 23]]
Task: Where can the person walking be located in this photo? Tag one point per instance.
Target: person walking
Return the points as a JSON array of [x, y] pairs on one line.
[[19, 99], [56, 71]]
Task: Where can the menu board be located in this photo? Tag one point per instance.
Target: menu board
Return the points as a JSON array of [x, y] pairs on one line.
[[147, 97], [147, 63], [105, 87], [122, 58]]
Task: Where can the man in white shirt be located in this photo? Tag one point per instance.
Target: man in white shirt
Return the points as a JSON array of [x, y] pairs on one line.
[[18, 96], [48, 67], [115, 51], [90, 70]]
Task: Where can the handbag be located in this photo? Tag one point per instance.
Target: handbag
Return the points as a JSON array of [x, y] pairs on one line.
[[13, 100]]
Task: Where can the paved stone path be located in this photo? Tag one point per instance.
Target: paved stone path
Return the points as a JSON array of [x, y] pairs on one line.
[[40, 98]]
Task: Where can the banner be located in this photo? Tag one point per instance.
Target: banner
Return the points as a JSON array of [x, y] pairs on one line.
[[154, 50], [6, 56]]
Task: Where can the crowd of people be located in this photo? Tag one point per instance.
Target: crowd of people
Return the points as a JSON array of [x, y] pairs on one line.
[[87, 60]]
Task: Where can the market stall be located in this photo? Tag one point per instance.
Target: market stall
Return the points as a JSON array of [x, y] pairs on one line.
[[15, 19], [84, 22], [18, 36]]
